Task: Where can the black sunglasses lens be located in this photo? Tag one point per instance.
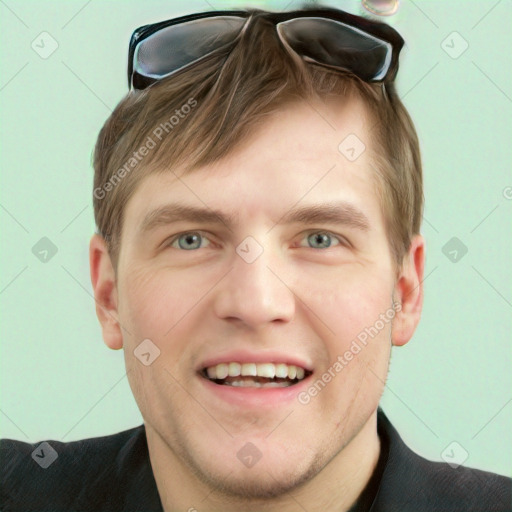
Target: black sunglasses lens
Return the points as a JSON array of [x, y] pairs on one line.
[[332, 43], [176, 46]]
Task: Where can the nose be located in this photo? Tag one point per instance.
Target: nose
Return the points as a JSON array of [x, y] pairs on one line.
[[255, 293]]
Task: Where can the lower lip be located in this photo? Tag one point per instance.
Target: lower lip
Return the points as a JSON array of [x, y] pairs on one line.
[[256, 397]]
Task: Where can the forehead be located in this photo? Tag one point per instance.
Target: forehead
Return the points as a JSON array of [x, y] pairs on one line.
[[309, 131], [304, 152]]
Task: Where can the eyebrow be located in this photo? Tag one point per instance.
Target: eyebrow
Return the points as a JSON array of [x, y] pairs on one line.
[[342, 213]]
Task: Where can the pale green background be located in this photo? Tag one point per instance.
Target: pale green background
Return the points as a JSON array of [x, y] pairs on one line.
[[58, 379]]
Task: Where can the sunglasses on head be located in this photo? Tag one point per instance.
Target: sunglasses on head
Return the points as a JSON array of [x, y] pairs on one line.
[[328, 37]]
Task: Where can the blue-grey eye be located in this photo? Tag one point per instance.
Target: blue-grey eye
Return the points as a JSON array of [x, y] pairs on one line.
[[320, 240], [189, 241]]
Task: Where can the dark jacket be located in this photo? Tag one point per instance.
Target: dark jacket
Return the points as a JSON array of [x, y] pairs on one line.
[[113, 473]]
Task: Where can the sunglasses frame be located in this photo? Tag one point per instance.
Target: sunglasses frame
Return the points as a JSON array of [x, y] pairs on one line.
[[376, 29]]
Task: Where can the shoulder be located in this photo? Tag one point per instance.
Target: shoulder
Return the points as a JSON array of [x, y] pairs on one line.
[[90, 474], [413, 483], [437, 486]]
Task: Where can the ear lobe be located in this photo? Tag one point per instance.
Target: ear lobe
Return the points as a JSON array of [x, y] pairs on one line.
[[409, 293], [104, 285]]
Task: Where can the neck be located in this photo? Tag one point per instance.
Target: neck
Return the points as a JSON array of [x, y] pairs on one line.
[[336, 487]]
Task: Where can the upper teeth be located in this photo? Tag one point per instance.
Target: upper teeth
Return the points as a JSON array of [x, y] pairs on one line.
[[269, 370]]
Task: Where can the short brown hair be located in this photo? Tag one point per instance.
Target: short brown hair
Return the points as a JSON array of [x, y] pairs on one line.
[[227, 95]]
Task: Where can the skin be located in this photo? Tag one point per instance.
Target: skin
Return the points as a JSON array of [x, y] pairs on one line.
[[296, 297]]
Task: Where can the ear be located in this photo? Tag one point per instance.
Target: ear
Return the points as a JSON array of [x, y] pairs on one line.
[[105, 292], [409, 293]]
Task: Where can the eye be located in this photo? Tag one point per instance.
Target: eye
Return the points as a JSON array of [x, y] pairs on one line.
[[323, 240], [188, 241], [193, 240]]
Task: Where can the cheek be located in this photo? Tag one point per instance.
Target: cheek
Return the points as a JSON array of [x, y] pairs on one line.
[[159, 307], [357, 347], [348, 302], [154, 302]]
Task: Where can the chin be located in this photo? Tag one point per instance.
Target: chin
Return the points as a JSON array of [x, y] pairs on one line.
[[259, 484]]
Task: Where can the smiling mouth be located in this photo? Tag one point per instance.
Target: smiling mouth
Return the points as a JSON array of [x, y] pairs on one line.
[[255, 375]]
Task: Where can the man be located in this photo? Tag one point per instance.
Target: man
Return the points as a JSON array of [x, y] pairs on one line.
[[258, 197]]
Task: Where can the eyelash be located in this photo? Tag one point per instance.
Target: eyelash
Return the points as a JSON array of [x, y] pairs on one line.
[[342, 241]]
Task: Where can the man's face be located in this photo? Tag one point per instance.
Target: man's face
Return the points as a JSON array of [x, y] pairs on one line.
[[267, 287]]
